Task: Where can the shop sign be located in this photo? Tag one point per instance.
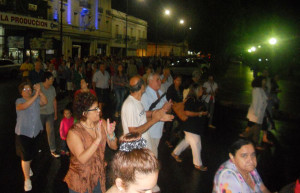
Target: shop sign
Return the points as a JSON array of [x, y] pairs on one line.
[[20, 20]]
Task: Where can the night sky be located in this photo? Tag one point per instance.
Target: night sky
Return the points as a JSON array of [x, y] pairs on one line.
[[217, 25]]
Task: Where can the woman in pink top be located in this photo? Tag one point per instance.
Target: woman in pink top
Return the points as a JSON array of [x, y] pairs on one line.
[[65, 125]]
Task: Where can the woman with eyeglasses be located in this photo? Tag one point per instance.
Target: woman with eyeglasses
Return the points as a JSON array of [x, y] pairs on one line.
[[87, 141], [28, 127]]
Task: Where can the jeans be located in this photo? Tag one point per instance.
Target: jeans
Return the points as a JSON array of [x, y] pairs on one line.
[[48, 120], [120, 94], [97, 189]]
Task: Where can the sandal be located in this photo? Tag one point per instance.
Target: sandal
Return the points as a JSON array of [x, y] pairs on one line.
[[201, 168], [176, 157]]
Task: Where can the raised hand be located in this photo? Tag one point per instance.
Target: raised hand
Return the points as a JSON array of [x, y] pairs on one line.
[[110, 127], [167, 106]]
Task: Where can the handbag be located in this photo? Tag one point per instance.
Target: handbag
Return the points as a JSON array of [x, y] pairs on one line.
[[178, 108]]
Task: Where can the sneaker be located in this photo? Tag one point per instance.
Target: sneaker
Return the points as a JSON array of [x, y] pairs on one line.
[[54, 154], [27, 185], [30, 172], [176, 157]]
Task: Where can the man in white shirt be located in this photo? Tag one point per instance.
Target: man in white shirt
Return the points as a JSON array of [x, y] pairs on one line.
[[101, 85], [134, 117], [166, 79], [211, 88]]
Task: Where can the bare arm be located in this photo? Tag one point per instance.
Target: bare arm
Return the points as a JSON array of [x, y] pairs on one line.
[[27, 104], [157, 115], [110, 129], [143, 128], [264, 189], [194, 114], [43, 99], [76, 147]]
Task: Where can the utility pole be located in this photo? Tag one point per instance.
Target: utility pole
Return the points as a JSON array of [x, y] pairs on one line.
[[61, 28], [126, 36]]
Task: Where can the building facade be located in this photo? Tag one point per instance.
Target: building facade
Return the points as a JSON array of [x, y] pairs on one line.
[[89, 27], [136, 42], [167, 49]]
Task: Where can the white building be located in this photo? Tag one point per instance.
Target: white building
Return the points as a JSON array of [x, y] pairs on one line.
[[89, 27]]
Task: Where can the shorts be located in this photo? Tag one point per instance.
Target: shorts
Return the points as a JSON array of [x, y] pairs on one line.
[[27, 147]]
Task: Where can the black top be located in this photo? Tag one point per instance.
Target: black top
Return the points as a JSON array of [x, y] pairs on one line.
[[197, 124], [35, 77], [174, 95]]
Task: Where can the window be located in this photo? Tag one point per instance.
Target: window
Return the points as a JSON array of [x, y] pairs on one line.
[[117, 30]]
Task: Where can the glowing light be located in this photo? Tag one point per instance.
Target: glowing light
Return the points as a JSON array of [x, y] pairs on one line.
[[272, 41], [167, 12], [259, 59], [181, 21], [96, 14], [69, 16], [190, 28], [253, 49]]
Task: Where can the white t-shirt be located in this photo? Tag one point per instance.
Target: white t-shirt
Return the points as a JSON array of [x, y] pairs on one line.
[[101, 79], [210, 88], [133, 115]]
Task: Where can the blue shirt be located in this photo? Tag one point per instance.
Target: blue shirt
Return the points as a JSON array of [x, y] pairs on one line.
[[28, 120], [148, 98]]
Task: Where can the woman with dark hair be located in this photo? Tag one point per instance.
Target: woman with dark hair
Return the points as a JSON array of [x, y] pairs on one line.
[[193, 126], [28, 126], [120, 80], [256, 110], [87, 141], [134, 167], [239, 173], [174, 93], [84, 88]]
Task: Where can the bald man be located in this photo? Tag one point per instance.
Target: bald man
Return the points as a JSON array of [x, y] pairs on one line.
[[35, 75], [133, 114]]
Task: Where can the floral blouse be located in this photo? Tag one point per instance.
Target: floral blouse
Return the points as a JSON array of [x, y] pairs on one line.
[[229, 180]]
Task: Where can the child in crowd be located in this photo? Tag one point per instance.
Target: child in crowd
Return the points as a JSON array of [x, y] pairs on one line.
[[65, 125]]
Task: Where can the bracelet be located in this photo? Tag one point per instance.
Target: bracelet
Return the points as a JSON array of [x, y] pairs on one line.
[[111, 138]]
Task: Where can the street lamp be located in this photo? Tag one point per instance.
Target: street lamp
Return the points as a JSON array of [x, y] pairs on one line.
[[272, 41], [167, 12]]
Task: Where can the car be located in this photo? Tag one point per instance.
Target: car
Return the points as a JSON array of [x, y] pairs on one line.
[[187, 66], [9, 68]]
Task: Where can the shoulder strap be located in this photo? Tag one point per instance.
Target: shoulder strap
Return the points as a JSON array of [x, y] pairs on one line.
[[153, 105]]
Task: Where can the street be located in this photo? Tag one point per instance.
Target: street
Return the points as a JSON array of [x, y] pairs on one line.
[[278, 165]]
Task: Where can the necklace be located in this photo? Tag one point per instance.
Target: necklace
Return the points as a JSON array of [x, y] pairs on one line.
[[86, 126]]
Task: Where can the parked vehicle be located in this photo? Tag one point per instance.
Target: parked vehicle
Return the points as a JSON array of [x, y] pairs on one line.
[[187, 66], [9, 68]]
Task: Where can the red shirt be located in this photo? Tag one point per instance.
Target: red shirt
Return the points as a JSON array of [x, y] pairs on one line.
[[79, 91]]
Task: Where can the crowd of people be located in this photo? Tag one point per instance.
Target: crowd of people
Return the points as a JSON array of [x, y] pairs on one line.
[[144, 96]]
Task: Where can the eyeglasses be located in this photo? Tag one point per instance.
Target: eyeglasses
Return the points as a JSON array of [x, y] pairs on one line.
[[95, 109], [26, 89]]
